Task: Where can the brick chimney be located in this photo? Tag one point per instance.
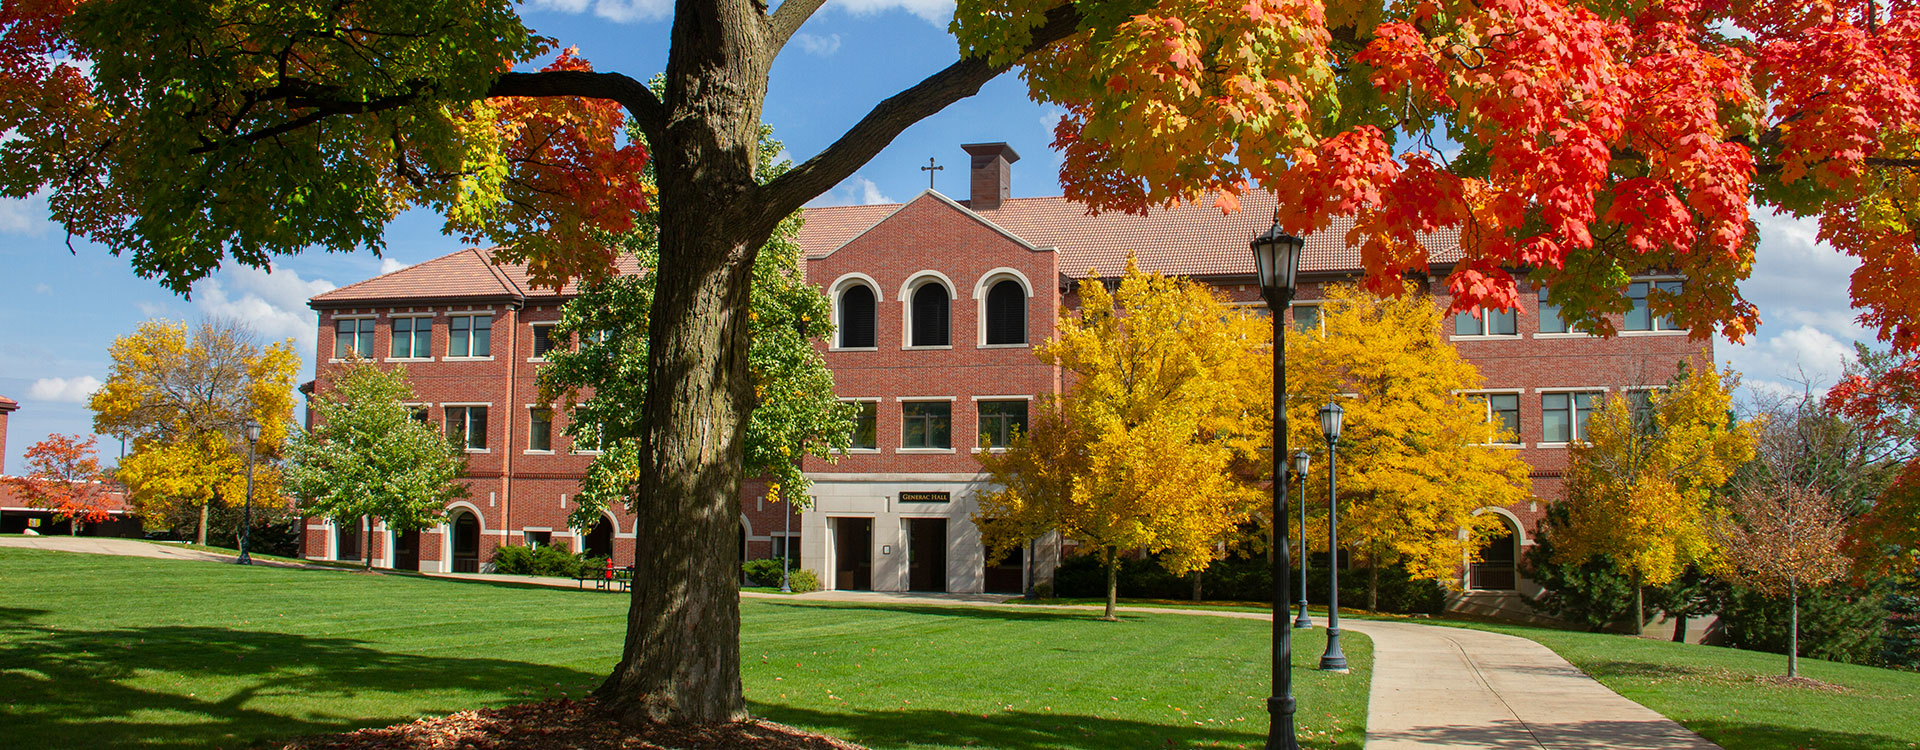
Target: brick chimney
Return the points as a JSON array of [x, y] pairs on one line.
[[7, 406], [991, 177]]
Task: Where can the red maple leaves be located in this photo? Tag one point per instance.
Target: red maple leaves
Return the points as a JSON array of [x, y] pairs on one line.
[[65, 477]]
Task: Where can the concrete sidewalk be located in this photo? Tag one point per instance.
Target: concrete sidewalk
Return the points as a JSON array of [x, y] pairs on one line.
[[106, 545], [1441, 687]]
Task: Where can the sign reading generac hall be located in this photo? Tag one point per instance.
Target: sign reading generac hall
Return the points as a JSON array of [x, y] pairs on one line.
[[924, 497]]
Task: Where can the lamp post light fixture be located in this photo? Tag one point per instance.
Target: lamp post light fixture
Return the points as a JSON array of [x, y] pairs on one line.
[[1303, 622], [1276, 257], [246, 528], [1333, 660]]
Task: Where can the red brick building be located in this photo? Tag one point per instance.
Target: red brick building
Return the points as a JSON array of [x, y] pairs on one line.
[[938, 304]]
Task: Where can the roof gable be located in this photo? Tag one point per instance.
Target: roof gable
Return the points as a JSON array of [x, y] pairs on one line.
[[843, 228]]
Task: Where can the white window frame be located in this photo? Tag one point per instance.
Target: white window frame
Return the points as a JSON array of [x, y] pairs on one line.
[[1573, 417], [988, 281], [1487, 407], [533, 338], [470, 357], [416, 317], [876, 423], [839, 287], [1653, 320], [469, 421], [531, 409], [907, 290], [1570, 333], [356, 332], [1455, 335], [976, 416], [1319, 320], [903, 401]]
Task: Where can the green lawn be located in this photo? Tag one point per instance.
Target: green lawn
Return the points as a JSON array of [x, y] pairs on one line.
[[126, 652], [1730, 697]]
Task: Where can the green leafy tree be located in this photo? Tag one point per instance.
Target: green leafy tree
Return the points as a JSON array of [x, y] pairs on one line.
[[603, 380], [366, 455]]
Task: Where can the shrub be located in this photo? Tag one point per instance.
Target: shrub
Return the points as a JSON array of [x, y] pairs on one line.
[[803, 581], [1243, 579], [762, 572], [513, 561], [548, 560]]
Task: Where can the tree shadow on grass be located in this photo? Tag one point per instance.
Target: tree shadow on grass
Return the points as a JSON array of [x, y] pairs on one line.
[[182, 686], [1738, 734], [978, 612], [1012, 730]]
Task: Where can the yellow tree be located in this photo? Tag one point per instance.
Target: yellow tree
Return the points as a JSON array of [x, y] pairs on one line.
[[1642, 489], [1417, 454], [183, 400], [1140, 452]]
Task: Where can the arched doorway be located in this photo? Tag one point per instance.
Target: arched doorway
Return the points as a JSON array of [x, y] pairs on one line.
[[466, 541], [599, 541], [1498, 569]]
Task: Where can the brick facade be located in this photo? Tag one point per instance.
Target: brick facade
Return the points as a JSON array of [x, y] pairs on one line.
[[895, 515]]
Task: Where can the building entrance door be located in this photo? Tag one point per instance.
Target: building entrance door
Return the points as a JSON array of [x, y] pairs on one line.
[[599, 541], [853, 554], [466, 543], [406, 550], [927, 554], [1008, 577]]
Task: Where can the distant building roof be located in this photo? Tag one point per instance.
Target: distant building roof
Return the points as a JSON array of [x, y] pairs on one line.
[[468, 275], [1187, 240], [7, 404], [116, 500]]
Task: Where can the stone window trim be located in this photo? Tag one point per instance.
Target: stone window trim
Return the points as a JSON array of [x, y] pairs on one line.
[[1570, 391], [875, 400], [906, 400], [982, 292], [533, 409], [1487, 407], [488, 405], [454, 329], [415, 318], [372, 345], [1485, 319], [905, 297], [834, 291]]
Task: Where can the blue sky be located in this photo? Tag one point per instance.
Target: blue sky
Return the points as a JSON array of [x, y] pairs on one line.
[[66, 307]]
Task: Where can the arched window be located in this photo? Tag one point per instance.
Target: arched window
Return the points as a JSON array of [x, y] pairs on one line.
[[930, 313], [1007, 313], [857, 326]]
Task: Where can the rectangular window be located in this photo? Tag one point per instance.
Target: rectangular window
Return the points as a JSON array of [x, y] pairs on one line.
[[538, 539], [1563, 416], [1550, 320], [1000, 420], [1503, 412], [1487, 323], [417, 413], [1640, 317], [467, 425], [353, 336], [866, 426], [412, 338], [1306, 318], [470, 336], [926, 424], [540, 433], [542, 340]]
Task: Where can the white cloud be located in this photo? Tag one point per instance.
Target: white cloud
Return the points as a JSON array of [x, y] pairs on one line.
[[936, 12], [42, 289], [26, 216], [855, 191], [1808, 323], [818, 46], [153, 309], [273, 304], [617, 11], [389, 265], [64, 390]]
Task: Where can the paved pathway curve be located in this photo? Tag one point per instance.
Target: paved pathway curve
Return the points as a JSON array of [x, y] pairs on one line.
[[1434, 687]]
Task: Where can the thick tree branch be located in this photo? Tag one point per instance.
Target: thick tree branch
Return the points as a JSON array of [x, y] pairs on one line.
[[864, 140], [788, 18], [631, 95]]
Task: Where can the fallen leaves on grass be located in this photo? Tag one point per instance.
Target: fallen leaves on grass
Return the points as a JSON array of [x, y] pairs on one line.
[[1805, 683], [562, 724]]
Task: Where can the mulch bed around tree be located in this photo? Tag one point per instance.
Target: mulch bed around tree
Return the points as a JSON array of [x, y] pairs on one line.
[[562, 724]]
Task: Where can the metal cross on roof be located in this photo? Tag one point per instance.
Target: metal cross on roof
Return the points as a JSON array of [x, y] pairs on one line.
[[930, 168]]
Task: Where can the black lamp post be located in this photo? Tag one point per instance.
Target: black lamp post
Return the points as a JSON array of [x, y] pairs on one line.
[[1303, 622], [246, 529], [786, 555], [1333, 660], [1276, 256]]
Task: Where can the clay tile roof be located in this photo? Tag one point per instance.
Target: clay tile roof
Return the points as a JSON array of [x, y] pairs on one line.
[[467, 274], [7, 404], [1187, 240]]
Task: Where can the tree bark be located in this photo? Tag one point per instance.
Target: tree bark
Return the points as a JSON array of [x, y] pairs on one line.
[[1196, 585], [1113, 583], [1373, 584], [1680, 628], [1793, 632], [200, 536], [1639, 606]]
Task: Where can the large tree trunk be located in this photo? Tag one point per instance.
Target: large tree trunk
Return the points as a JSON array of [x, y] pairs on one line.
[[1639, 606], [682, 658], [1373, 584], [1113, 583], [200, 536]]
